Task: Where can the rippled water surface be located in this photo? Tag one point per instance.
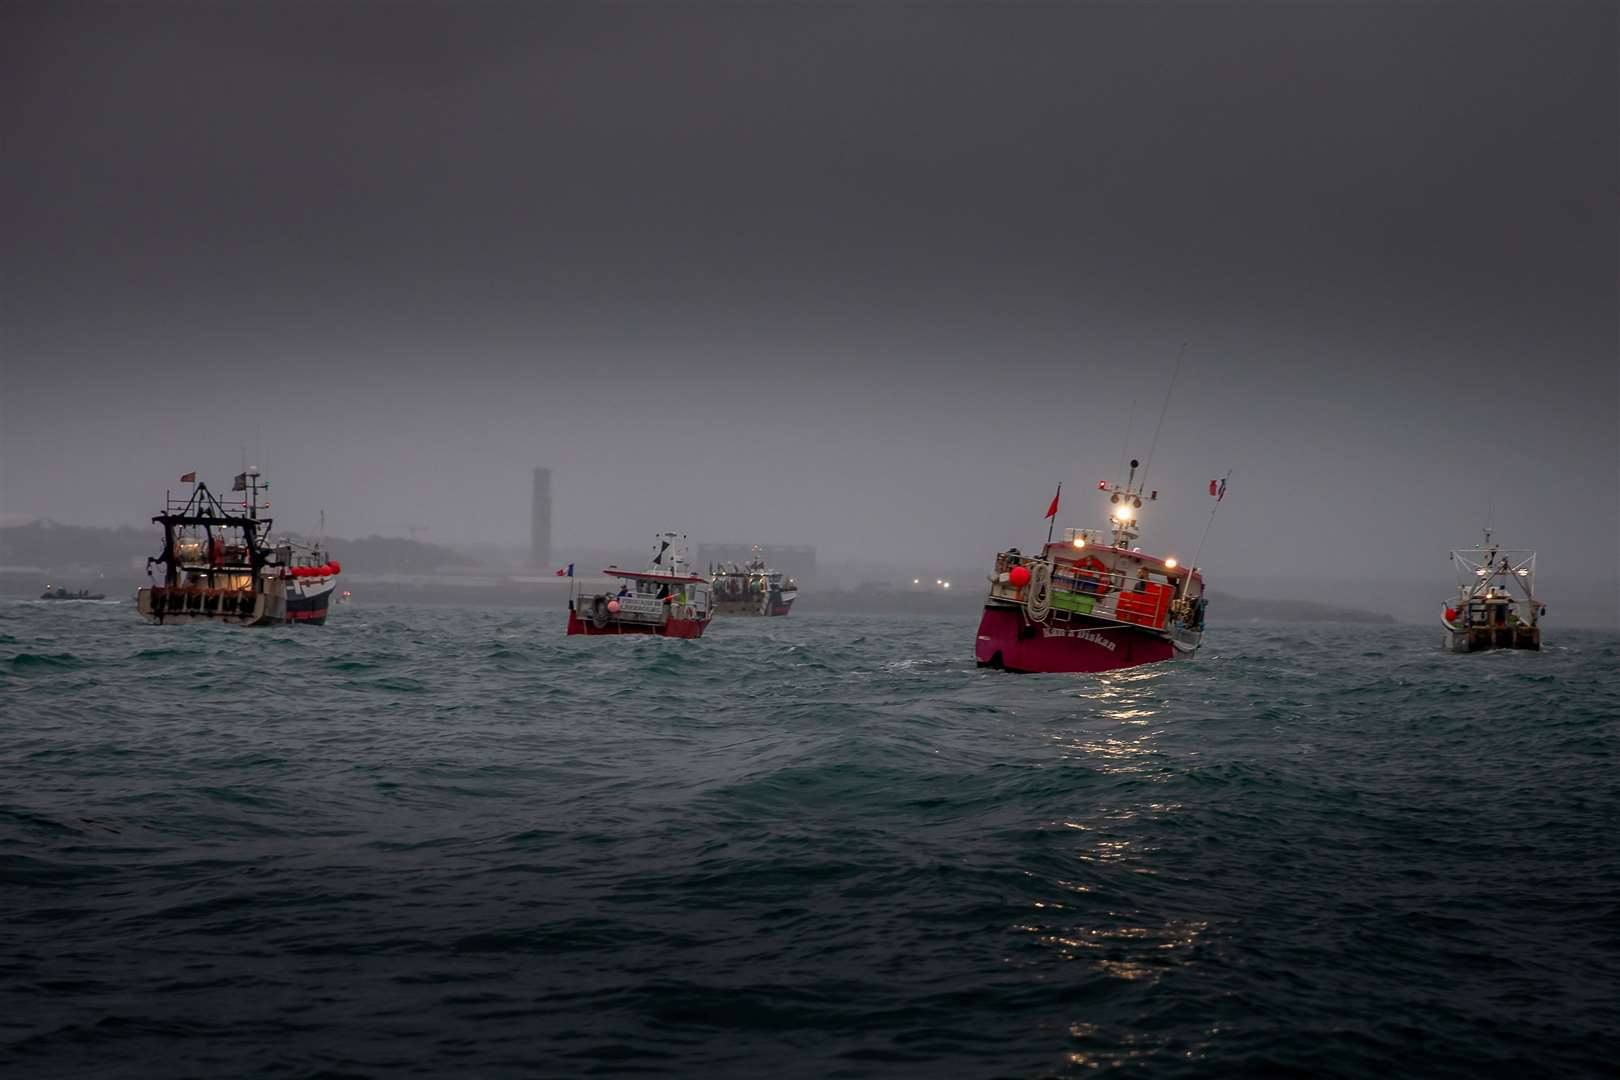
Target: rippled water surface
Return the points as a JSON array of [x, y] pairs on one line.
[[438, 841]]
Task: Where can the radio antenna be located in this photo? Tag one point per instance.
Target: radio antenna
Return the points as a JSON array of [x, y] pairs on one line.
[[1124, 447], [1167, 392]]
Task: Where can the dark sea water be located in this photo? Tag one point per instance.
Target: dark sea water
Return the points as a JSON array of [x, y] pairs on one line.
[[439, 841]]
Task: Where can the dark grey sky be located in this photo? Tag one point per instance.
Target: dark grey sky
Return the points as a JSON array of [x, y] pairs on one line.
[[873, 277]]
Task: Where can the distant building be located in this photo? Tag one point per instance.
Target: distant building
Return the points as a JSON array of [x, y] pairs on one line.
[[540, 521], [798, 560]]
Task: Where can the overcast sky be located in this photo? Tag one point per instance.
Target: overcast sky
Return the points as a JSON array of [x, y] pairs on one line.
[[872, 277]]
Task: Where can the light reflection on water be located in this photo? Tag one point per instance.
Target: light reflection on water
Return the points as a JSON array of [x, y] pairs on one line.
[[1117, 950], [1119, 733]]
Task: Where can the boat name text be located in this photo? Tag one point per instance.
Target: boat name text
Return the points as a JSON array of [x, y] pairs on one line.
[[1084, 635]]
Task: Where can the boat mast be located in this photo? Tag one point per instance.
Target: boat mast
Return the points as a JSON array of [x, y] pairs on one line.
[[1125, 500]]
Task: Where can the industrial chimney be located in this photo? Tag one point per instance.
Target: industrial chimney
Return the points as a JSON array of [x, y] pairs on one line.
[[540, 521]]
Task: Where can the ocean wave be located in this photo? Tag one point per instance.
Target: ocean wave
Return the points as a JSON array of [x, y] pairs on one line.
[[456, 841]]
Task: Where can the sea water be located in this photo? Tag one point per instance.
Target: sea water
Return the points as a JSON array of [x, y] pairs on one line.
[[445, 841]]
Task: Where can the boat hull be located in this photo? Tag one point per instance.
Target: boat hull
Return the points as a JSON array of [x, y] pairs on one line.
[[309, 600], [670, 627], [1481, 638], [1009, 641], [182, 604], [773, 605]]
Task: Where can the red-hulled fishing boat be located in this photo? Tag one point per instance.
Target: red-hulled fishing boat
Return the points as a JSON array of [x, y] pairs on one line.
[[666, 598], [1092, 601]]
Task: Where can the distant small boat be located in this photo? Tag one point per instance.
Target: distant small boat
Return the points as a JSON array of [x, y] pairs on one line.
[[665, 599], [60, 593], [1496, 605]]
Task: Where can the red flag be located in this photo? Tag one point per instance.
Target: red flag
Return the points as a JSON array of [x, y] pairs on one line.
[[189, 478], [1051, 511]]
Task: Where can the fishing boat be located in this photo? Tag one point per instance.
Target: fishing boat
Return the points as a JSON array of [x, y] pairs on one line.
[[60, 593], [220, 566], [311, 582], [751, 588], [665, 599], [1495, 606], [1092, 601]]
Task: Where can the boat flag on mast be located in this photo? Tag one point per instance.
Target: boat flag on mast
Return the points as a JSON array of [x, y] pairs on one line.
[[569, 572], [1217, 488], [189, 478], [1051, 511]]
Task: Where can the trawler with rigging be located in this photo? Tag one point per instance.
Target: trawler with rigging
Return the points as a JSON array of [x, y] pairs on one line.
[[1092, 601], [1496, 605], [219, 564], [666, 599], [751, 588]]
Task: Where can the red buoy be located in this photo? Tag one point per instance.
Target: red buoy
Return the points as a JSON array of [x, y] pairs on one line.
[[1019, 576]]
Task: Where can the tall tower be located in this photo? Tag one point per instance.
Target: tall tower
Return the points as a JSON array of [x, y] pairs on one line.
[[540, 521]]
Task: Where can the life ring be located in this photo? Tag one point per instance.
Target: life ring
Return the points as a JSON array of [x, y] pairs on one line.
[[1093, 571], [599, 611]]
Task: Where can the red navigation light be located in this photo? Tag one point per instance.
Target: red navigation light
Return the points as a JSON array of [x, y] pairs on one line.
[[1102, 485]]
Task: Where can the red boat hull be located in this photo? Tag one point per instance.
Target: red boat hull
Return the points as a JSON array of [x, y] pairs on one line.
[[677, 628], [1008, 640]]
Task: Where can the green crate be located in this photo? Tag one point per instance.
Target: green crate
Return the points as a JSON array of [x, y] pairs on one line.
[[1075, 602]]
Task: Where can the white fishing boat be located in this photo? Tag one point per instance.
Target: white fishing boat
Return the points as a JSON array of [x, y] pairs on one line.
[[1496, 605], [666, 599]]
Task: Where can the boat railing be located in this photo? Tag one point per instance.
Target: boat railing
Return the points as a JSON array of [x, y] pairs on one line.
[[1100, 593], [1495, 608], [641, 608], [1073, 577]]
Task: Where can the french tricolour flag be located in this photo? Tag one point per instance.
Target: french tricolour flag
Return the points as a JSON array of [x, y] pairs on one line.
[[569, 572]]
